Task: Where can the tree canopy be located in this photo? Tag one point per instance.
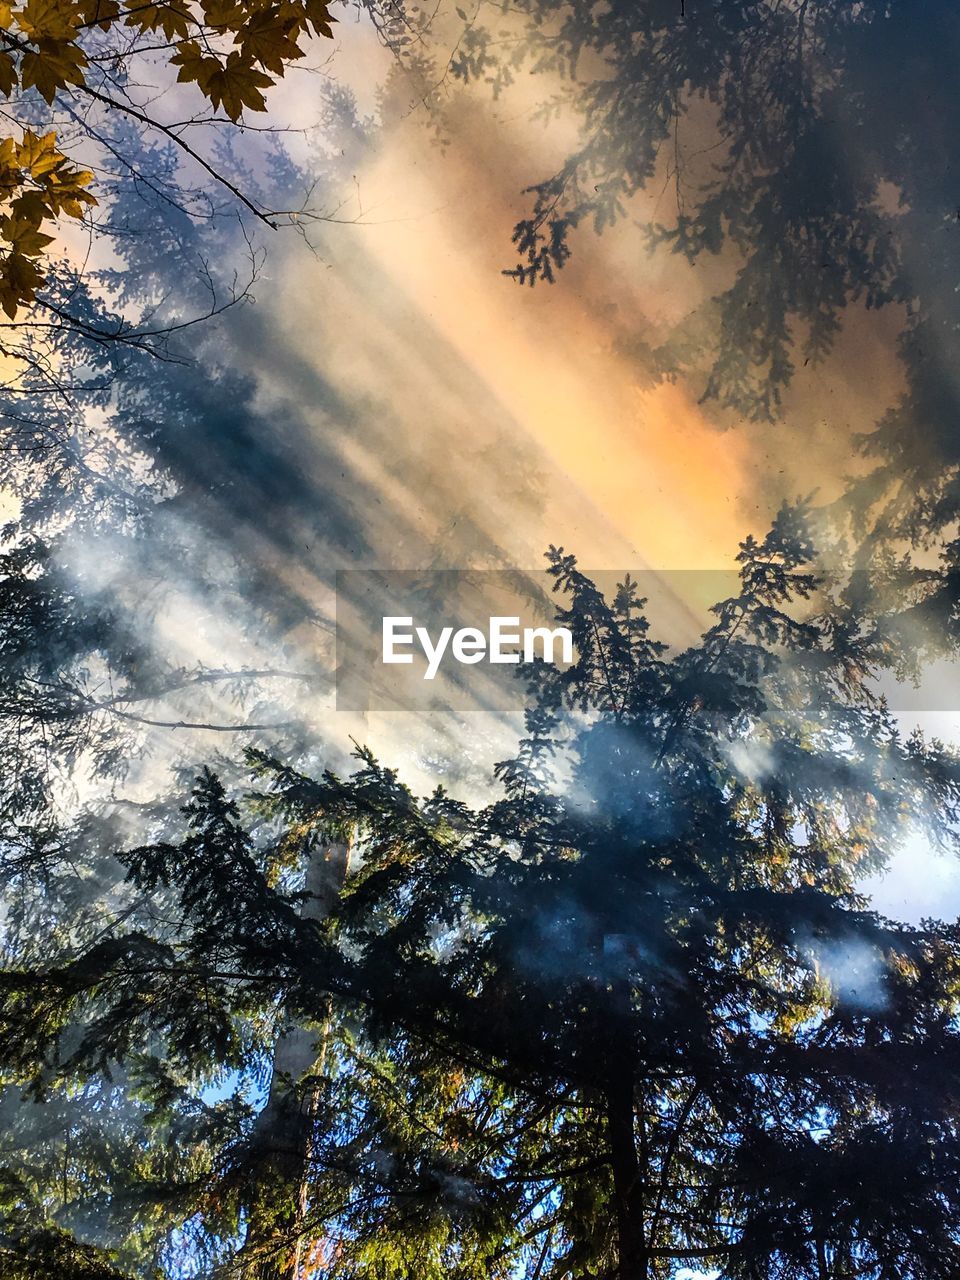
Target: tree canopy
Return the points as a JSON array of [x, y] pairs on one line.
[[631, 1013], [798, 134], [635, 1014], [76, 55]]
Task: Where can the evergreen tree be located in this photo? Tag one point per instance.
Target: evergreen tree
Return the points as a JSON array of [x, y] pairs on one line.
[[809, 110], [636, 1014], [811, 144], [102, 477]]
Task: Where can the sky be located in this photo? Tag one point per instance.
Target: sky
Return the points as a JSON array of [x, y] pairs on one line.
[[392, 401], [444, 417]]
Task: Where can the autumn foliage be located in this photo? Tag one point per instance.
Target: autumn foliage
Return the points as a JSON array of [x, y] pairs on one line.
[[232, 52]]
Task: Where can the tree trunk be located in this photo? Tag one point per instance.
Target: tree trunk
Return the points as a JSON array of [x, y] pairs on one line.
[[283, 1132], [628, 1178], [627, 1181]]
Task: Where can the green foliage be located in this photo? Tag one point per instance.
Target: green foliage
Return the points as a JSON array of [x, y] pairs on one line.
[[795, 139], [632, 1015], [32, 1246], [231, 52]]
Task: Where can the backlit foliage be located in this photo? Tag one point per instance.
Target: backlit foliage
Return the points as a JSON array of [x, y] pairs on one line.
[[230, 53]]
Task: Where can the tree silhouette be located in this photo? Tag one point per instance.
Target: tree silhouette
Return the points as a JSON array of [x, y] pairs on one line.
[[636, 1013], [631, 1016], [103, 95], [802, 139], [806, 143]]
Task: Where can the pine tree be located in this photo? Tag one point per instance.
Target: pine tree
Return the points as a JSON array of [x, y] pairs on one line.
[[635, 1014]]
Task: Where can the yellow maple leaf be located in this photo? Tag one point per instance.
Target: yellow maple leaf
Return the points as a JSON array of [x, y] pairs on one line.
[[100, 13], [269, 38], [73, 206], [319, 17], [48, 19], [227, 14], [19, 279], [8, 74], [39, 154], [30, 208], [173, 20], [54, 65], [237, 85], [22, 233], [194, 64]]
